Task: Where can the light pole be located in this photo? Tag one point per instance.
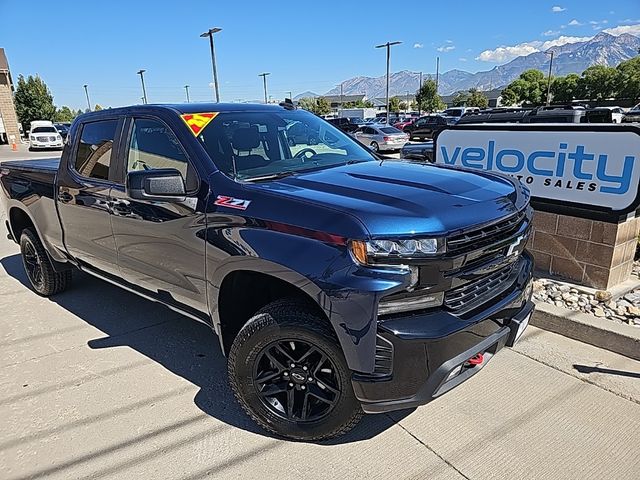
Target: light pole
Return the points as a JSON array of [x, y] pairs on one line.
[[209, 33], [144, 90], [186, 87], [437, 73], [388, 46], [264, 81], [549, 79], [290, 95], [86, 92]]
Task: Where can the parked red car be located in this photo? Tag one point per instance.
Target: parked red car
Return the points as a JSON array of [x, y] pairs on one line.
[[403, 123]]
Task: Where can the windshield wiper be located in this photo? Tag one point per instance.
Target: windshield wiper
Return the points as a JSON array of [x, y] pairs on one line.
[[271, 176]]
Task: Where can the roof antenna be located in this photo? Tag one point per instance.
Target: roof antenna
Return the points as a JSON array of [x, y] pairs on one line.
[[287, 104]]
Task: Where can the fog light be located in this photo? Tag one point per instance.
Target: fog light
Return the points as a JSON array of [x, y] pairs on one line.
[[409, 304]]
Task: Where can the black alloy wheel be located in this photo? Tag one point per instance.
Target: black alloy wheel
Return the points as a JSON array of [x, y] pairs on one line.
[[290, 375], [43, 277], [296, 381], [32, 265]]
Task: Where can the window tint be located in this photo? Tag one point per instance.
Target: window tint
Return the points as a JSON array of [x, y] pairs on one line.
[[390, 130], [153, 145], [249, 145], [44, 130], [94, 151]]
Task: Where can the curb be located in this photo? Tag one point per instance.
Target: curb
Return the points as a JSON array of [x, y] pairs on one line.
[[602, 333]]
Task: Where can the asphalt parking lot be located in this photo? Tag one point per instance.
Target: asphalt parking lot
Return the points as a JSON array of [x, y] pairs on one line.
[[98, 383]]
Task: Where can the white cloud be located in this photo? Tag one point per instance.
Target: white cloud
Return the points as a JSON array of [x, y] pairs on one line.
[[418, 45], [596, 22], [462, 59], [620, 29], [575, 23], [507, 53], [562, 40], [557, 9], [550, 33], [447, 47]]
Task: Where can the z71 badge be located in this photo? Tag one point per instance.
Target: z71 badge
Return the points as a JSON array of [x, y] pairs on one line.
[[231, 202]]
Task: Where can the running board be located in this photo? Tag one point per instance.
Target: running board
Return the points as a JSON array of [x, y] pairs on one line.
[[146, 296]]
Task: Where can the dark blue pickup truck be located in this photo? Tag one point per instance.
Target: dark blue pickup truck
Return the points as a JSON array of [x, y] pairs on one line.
[[338, 282]]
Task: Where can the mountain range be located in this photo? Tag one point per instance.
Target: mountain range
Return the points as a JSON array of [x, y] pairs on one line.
[[603, 49]]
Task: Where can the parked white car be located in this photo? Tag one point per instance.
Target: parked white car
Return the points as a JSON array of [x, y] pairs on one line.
[[43, 134]]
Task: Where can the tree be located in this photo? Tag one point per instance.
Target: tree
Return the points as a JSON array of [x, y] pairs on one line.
[[477, 99], [33, 101], [428, 98], [628, 79], [472, 98], [64, 115], [307, 103], [460, 99], [323, 107], [394, 104], [359, 104], [79, 112], [97, 107], [599, 82], [319, 106], [530, 87], [566, 89]]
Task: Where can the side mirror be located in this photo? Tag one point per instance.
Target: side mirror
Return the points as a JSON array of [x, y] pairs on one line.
[[160, 185]]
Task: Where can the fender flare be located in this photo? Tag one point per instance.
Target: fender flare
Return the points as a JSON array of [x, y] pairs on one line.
[[267, 267]]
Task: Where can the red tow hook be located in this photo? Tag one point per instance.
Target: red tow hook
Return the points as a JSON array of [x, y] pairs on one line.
[[475, 360]]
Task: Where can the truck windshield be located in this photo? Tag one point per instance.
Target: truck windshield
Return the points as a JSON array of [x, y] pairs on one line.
[[257, 145], [44, 130]]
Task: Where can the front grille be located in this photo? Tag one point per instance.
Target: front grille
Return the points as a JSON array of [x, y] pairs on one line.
[[384, 356], [41, 139], [484, 236], [477, 292]]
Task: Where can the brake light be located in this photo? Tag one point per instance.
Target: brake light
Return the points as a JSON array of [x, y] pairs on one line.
[[386, 139]]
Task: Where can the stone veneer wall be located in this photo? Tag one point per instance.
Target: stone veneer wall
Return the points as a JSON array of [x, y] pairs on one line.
[[7, 108], [592, 253]]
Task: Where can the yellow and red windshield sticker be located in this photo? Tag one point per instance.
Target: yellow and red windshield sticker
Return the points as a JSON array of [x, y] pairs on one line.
[[197, 121]]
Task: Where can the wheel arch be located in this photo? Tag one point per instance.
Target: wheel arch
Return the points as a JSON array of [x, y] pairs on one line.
[[268, 281]]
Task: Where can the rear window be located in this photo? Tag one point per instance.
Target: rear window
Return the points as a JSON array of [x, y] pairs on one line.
[[44, 130], [93, 157], [454, 112], [390, 130]]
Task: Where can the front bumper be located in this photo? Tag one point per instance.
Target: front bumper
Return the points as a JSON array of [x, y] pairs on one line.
[[42, 145], [430, 351]]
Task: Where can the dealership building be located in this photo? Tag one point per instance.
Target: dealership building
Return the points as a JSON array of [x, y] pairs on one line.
[[8, 117]]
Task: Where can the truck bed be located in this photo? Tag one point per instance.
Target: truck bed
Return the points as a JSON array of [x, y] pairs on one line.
[[30, 186], [38, 165]]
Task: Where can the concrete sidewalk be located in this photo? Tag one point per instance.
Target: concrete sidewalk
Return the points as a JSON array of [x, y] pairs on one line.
[[100, 383]]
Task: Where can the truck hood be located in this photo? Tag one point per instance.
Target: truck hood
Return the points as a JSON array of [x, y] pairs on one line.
[[396, 198]]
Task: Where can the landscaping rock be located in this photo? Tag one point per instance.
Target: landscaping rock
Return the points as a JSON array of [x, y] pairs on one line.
[[602, 305]]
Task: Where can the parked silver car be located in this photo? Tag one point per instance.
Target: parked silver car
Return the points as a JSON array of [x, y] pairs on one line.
[[381, 137]]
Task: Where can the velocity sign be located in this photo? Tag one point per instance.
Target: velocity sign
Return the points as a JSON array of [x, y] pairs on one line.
[[583, 165]]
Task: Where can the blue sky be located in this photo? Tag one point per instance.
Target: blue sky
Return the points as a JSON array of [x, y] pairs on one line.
[[305, 45]]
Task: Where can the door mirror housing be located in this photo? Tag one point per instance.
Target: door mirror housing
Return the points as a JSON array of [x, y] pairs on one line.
[[158, 185]]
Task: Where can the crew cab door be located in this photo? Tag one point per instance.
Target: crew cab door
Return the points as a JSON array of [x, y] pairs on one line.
[[160, 244], [84, 185]]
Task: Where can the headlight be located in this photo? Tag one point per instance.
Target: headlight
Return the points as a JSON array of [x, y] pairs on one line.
[[31, 137], [364, 252], [58, 137]]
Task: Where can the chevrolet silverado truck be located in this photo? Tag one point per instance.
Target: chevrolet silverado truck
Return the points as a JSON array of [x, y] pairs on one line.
[[338, 282]]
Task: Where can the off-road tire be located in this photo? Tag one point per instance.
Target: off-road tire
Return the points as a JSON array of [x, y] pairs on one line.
[[290, 318], [51, 282]]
